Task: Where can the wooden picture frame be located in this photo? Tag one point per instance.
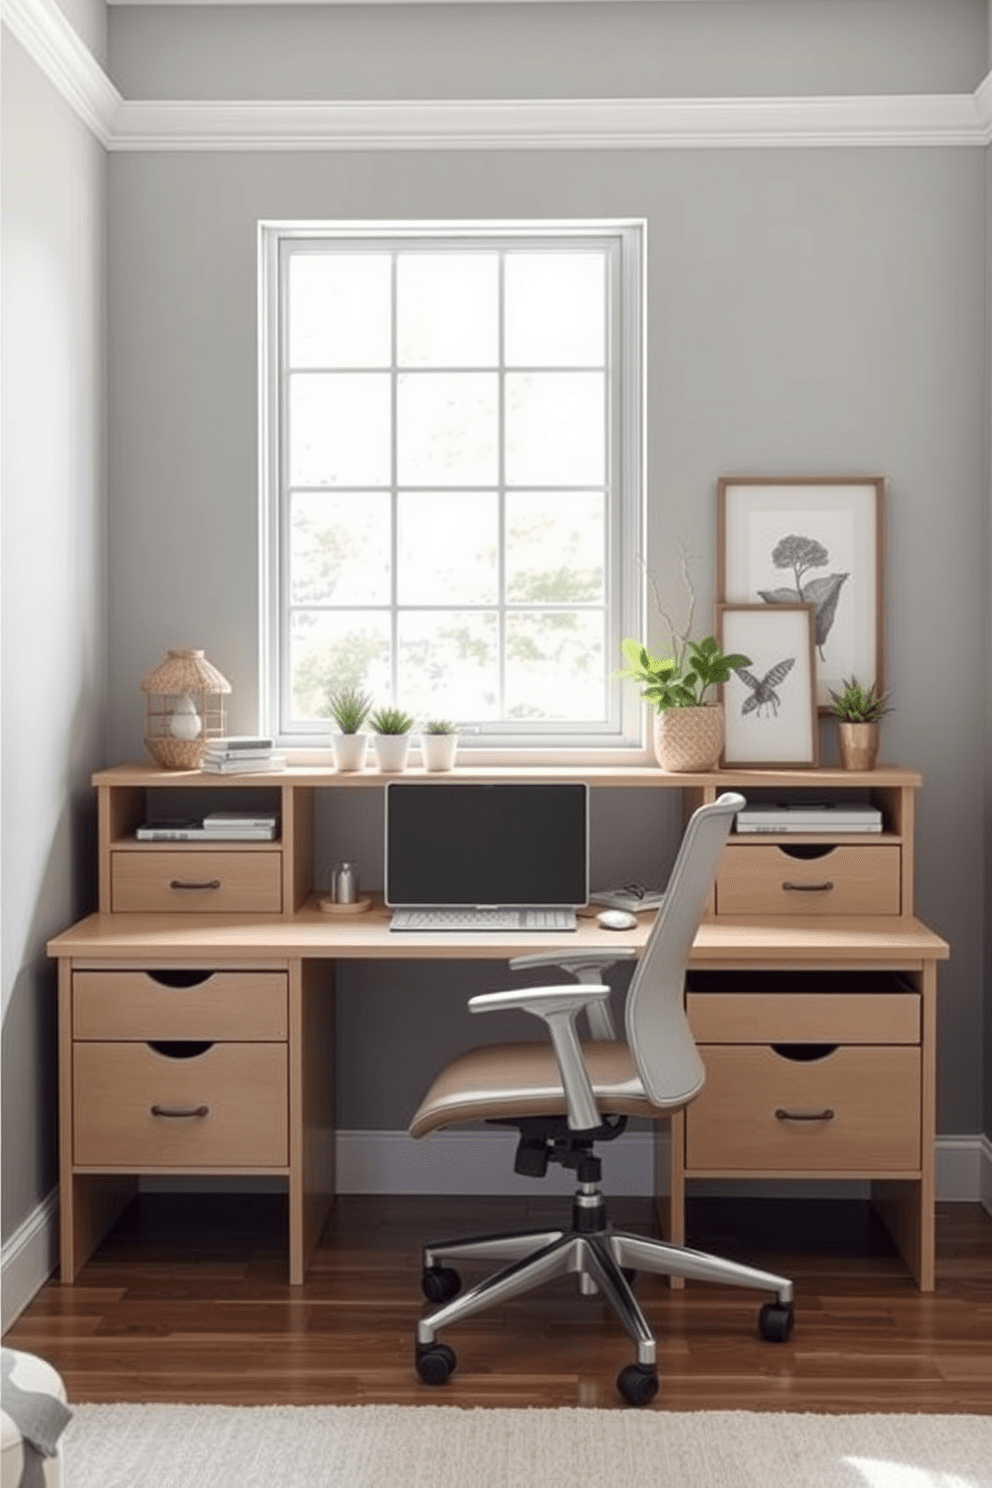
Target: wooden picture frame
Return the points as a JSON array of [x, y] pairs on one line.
[[825, 533], [770, 714]]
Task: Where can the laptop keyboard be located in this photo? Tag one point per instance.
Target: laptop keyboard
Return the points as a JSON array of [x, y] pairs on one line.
[[483, 919]]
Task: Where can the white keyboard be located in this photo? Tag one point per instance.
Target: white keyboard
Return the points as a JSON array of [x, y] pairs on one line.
[[483, 919]]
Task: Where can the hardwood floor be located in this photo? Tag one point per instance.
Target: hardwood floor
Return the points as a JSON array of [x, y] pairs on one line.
[[187, 1301]]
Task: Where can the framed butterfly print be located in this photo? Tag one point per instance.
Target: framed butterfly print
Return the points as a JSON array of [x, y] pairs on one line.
[[769, 707], [810, 540]]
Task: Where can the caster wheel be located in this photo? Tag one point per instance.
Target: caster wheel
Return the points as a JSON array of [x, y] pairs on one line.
[[440, 1283], [775, 1321], [435, 1362], [637, 1384]]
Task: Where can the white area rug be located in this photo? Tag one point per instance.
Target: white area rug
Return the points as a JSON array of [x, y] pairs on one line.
[[379, 1446]]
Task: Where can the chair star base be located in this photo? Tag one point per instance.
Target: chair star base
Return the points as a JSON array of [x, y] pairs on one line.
[[603, 1259]]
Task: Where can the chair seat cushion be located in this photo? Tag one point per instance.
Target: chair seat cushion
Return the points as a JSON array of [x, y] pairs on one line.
[[498, 1081]]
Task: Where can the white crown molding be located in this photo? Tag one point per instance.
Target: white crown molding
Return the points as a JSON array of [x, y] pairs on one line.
[[582, 124], [66, 61], [541, 124], [983, 108], [201, 3]]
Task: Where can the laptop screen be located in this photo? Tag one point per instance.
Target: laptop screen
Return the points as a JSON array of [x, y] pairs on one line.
[[457, 844]]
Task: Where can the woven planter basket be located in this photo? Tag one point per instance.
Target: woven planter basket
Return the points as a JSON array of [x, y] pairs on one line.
[[689, 740]]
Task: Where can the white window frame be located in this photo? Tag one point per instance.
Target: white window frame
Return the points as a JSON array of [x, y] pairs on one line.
[[623, 731]]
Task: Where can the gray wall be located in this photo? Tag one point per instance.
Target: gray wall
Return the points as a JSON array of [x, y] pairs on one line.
[[54, 582], [808, 311], [720, 48]]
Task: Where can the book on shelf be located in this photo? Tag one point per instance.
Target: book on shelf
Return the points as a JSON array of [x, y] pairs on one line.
[[243, 765], [819, 817], [240, 819], [194, 830], [241, 744]]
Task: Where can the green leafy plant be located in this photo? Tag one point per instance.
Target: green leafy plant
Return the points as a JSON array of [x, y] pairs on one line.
[[856, 704], [682, 680], [439, 726], [349, 708], [391, 721]]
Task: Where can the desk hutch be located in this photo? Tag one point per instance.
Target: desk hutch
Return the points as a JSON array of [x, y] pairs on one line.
[[196, 1004]]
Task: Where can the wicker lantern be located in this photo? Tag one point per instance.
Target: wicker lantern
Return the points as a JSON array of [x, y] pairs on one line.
[[184, 709]]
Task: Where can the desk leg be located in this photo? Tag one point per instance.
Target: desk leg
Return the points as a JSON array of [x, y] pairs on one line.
[[908, 1208], [669, 1184], [311, 1108]]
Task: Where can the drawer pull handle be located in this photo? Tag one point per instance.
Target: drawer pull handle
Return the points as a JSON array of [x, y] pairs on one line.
[[808, 888], [196, 1111], [825, 1115], [209, 883]]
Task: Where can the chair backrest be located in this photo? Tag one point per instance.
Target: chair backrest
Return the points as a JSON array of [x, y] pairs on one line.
[[658, 1033]]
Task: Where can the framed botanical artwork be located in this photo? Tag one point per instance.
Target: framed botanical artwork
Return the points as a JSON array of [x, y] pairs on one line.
[[769, 707], [810, 540]]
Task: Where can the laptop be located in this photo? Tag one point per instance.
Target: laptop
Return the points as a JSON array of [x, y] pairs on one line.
[[466, 855]]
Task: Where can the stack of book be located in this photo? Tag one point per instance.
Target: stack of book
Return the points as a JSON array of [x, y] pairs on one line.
[[826, 816], [219, 826], [242, 754]]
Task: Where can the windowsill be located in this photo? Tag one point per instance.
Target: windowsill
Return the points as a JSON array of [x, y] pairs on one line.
[[468, 756]]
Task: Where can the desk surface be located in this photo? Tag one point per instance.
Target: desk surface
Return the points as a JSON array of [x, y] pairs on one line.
[[747, 941]]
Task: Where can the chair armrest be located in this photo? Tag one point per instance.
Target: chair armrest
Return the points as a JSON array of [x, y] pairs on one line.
[[558, 1007], [587, 967]]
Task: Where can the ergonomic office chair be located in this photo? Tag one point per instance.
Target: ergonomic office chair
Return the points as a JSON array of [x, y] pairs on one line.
[[564, 1097]]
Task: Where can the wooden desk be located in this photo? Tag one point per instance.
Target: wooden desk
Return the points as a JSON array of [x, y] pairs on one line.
[[277, 975]]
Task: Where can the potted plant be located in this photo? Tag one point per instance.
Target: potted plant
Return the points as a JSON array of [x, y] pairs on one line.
[[349, 708], [858, 711], [439, 742], [391, 737], [688, 727]]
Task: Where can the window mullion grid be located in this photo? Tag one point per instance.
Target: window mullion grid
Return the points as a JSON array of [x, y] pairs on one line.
[[285, 497], [611, 641], [501, 614], [394, 499]]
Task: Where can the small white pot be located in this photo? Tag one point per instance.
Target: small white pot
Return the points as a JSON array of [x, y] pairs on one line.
[[349, 751], [439, 750], [391, 751]]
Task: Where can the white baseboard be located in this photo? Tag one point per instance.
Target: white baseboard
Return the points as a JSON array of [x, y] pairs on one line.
[[391, 1162], [985, 1178], [29, 1257], [482, 1163]]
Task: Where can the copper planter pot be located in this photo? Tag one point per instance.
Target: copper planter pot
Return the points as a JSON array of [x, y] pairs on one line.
[[858, 745]]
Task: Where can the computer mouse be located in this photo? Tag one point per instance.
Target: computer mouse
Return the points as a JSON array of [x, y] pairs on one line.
[[616, 919]]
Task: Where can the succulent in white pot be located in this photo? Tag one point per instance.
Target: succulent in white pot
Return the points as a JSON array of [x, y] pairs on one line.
[[391, 738], [350, 707], [439, 744]]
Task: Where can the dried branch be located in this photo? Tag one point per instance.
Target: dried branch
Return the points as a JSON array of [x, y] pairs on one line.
[[679, 637]]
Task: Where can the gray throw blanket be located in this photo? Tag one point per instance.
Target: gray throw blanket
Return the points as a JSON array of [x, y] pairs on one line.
[[40, 1418]]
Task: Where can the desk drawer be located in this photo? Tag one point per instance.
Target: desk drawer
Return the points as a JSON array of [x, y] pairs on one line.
[[845, 880], [873, 1093], [198, 880], [806, 1017], [143, 1005], [239, 1091]]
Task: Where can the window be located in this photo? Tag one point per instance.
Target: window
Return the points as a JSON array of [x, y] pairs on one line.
[[451, 451]]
